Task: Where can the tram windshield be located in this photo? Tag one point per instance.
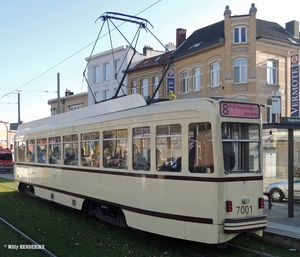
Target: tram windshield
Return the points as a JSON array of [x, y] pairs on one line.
[[241, 147]]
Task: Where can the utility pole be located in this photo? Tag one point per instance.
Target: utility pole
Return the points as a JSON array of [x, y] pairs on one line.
[[58, 94], [19, 116]]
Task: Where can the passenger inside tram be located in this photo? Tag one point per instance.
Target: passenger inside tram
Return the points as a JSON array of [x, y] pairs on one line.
[[228, 154]]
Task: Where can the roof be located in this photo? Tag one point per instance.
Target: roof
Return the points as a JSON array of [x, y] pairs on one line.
[[150, 62], [202, 38], [273, 31], [213, 35]]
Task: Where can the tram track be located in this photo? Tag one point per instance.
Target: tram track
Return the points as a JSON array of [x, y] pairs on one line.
[[263, 254], [29, 239], [34, 244]]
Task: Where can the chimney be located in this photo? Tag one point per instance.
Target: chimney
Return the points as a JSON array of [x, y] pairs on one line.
[[170, 46], [68, 92], [147, 48], [180, 36], [293, 28]]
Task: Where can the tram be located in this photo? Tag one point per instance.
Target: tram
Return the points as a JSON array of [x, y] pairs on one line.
[[187, 169]]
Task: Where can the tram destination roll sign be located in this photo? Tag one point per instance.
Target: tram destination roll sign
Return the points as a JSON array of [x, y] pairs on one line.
[[240, 110], [294, 86]]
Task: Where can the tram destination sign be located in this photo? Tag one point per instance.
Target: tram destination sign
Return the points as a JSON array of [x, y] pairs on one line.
[[239, 110]]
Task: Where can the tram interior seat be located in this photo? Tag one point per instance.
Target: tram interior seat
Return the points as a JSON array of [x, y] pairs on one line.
[[172, 164], [141, 166]]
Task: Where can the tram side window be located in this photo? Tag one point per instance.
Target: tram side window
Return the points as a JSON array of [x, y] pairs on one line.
[[41, 150], [168, 148], [30, 150], [200, 148], [70, 144], [55, 150], [90, 149], [21, 151], [115, 148], [141, 148], [245, 141]]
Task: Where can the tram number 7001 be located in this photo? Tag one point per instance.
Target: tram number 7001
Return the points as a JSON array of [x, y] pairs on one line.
[[244, 209]]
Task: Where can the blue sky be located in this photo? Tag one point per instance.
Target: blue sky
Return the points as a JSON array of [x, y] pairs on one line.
[[40, 38]]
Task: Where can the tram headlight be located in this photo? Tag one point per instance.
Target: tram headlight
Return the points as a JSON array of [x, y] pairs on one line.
[[229, 206]]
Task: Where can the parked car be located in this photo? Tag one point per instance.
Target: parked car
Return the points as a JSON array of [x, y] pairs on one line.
[[279, 190]]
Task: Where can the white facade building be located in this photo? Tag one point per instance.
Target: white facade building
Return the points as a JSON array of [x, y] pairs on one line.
[[105, 71]]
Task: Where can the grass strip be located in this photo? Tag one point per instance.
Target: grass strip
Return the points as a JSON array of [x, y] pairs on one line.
[[67, 232]]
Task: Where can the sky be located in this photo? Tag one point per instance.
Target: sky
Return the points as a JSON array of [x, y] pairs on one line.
[[41, 38]]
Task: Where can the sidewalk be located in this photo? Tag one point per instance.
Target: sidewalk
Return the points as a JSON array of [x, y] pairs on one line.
[[6, 175], [281, 229]]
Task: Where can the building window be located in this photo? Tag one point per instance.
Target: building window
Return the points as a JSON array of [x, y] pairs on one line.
[[240, 70], [54, 111], [96, 74], [97, 95], [215, 74], [105, 94], [144, 87], [106, 71], [133, 87], [239, 35], [121, 91], [75, 107], [196, 79], [272, 72], [185, 82], [117, 68], [155, 85]]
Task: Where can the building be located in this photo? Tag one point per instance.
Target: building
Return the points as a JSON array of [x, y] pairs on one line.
[[69, 102], [145, 77], [238, 57], [6, 135], [106, 70]]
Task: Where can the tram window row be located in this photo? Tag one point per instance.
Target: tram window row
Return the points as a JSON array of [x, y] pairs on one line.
[[84, 149]]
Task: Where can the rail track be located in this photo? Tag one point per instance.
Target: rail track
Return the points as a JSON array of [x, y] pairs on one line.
[[34, 244], [29, 239]]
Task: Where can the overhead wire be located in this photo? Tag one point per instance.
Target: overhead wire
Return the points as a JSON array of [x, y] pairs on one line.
[[64, 60]]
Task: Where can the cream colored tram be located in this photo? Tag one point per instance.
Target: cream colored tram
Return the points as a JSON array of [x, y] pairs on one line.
[[157, 168]]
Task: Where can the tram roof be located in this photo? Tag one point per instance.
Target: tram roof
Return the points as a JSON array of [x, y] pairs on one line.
[[125, 103], [105, 107]]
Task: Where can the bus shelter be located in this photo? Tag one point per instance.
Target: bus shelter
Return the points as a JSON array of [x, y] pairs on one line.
[[281, 150]]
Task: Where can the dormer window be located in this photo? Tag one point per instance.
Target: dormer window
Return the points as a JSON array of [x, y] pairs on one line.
[[196, 45], [292, 40], [240, 35]]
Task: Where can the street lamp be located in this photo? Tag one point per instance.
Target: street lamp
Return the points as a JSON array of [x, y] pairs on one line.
[[6, 133]]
